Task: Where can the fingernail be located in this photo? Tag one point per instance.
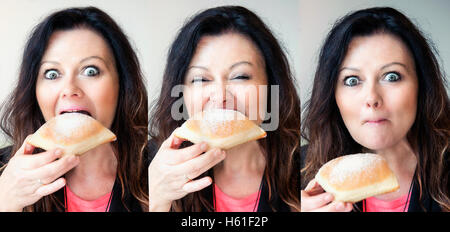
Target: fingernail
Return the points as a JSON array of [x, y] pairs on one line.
[[328, 197], [204, 146]]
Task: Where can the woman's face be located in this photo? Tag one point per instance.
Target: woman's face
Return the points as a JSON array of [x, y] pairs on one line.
[[227, 71], [78, 73], [376, 91]]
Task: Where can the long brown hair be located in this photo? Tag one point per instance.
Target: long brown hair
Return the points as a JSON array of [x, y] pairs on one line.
[[429, 135], [281, 147], [22, 115]]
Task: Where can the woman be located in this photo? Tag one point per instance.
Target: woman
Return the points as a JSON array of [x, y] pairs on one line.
[[77, 59], [378, 88], [218, 57]]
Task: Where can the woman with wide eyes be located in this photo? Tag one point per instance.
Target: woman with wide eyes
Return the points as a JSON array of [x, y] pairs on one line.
[[77, 60], [221, 58], [378, 88]]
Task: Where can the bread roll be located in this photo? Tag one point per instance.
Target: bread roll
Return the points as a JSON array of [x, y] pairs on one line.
[[352, 178], [75, 133], [220, 128]]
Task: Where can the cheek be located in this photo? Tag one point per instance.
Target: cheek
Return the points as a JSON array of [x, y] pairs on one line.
[[46, 100], [403, 104], [194, 99], [105, 97]]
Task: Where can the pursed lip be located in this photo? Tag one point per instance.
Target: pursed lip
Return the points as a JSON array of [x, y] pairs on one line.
[[375, 121]]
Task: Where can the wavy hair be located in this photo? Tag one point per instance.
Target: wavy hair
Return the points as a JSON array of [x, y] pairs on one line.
[[22, 115], [281, 147], [324, 129]]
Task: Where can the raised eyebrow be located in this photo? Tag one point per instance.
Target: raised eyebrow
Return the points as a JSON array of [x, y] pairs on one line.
[[93, 57], [393, 63], [48, 61], [349, 68]]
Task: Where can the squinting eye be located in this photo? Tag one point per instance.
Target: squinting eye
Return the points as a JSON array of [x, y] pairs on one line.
[[241, 77], [392, 77], [90, 71], [51, 74], [351, 81], [199, 79]]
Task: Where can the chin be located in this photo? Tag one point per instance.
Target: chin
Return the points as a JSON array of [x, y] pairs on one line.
[[375, 144]]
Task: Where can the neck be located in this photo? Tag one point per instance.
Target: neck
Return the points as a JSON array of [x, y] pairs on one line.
[[400, 157], [402, 160], [95, 174], [243, 166], [246, 158]]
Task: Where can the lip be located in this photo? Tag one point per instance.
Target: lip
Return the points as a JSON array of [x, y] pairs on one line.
[[74, 109], [377, 121]]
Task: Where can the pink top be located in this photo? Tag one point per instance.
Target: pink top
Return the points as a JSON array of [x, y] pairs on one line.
[[373, 204], [225, 203], [76, 204]]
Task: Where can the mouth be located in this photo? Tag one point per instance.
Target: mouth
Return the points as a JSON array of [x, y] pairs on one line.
[[76, 111], [375, 121]]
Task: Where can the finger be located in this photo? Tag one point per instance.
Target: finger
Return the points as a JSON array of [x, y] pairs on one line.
[[311, 185], [335, 206], [172, 141], [41, 159], [48, 189], [311, 202], [50, 172], [197, 185], [188, 153], [198, 165], [25, 148], [314, 188], [176, 142]]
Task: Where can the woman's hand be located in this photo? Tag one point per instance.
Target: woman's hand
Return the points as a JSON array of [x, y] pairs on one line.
[[315, 199], [27, 177], [172, 172]]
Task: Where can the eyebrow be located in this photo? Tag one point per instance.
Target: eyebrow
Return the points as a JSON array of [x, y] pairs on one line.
[[83, 60], [393, 63], [240, 63], [93, 57], [382, 67], [231, 67]]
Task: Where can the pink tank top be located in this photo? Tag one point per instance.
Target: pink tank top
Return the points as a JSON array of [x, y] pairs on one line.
[[373, 204], [225, 203], [76, 204]]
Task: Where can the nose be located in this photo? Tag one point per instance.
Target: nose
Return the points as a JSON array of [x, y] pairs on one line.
[[71, 88], [373, 97], [219, 96]]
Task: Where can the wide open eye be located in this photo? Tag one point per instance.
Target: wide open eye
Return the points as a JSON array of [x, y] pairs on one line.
[[392, 77], [91, 71], [351, 81], [51, 74]]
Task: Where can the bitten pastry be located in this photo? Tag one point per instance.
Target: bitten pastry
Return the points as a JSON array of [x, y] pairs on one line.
[[220, 128], [352, 178], [75, 133]]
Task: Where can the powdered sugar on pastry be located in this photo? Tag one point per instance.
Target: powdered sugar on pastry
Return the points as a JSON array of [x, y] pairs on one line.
[[350, 165]]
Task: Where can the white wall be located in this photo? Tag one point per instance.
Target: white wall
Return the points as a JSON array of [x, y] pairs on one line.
[[318, 16]]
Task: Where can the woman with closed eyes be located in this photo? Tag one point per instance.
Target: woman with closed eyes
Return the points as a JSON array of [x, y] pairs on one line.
[[219, 58], [378, 88], [77, 60]]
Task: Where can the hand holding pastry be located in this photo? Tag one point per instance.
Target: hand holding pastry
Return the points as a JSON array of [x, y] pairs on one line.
[[28, 177], [173, 170]]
